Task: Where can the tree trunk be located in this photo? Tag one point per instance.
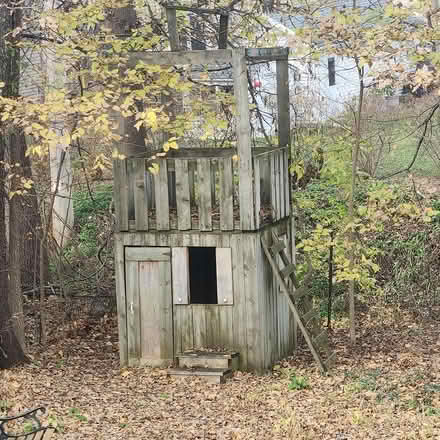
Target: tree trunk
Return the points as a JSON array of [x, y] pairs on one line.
[[123, 21], [11, 351], [17, 147], [12, 343]]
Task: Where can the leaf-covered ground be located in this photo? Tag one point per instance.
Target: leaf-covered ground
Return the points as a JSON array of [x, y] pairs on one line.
[[387, 387]]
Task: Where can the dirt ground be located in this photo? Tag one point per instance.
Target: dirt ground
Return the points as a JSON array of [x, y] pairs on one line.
[[386, 387]]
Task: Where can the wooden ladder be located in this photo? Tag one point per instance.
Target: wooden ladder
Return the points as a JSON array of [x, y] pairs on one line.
[[316, 337]]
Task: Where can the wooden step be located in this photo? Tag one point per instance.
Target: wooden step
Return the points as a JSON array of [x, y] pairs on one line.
[[277, 246], [211, 375], [208, 359]]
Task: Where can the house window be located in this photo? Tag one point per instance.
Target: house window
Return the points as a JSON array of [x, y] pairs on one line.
[[202, 275], [331, 72]]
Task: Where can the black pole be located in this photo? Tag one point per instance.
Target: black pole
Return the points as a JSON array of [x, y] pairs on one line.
[[330, 283]]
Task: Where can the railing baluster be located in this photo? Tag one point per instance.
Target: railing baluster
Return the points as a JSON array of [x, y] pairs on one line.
[[226, 194], [183, 197], [204, 187], [162, 201]]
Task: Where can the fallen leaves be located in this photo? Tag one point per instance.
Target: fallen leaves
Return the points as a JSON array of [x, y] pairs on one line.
[[385, 388]]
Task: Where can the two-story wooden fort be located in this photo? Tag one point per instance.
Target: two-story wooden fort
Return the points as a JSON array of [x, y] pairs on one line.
[[203, 247]]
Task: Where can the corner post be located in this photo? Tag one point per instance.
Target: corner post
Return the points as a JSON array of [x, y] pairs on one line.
[[239, 66], [283, 103]]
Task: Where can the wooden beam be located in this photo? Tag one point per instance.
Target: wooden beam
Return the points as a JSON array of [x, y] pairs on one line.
[[172, 29], [218, 56], [247, 219], [223, 32], [268, 54], [197, 10], [283, 103]]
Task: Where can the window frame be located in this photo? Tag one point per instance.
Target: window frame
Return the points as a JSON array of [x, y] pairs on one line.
[[331, 66], [181, 276]]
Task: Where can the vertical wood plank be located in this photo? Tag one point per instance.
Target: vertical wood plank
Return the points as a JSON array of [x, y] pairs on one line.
[[204, 187], [287, 186], [165, 316], [180, 267], [171, 183], [183, 198], [226, 195], [172, 29], [199, 326], [277, 184], [212, 325], [214, 168], [255, 323], [263, 296], [186, 327], [239, 67], [282, 185], [223, 32], [239, 309], [149, 185], [282, 68], [224, 276], [121, 299], [226, 331], [276, 163], [131, 182], [133, 324], [121, 199], [162, 202], [140, 196], [257, 190], [192, 166], [177, 329], [273, 194], [149, 307]]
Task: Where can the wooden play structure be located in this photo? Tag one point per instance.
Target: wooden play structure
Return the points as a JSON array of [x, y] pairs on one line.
[[204, 268]]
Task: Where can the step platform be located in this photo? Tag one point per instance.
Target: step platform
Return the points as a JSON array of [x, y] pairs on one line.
[[213, 366], [208, 359], [211, 375]]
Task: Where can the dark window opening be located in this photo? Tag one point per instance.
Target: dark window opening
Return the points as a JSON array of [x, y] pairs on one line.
[[331, 72], [202, 275]]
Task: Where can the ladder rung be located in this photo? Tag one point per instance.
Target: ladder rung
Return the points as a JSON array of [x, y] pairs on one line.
[[286, 271], [277, 246], [298, 294], [310, 315], [320, 338]]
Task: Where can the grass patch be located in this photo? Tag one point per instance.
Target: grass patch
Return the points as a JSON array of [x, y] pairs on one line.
[[401, 157]]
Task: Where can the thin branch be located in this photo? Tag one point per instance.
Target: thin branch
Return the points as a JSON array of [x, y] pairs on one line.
[[419, 144]]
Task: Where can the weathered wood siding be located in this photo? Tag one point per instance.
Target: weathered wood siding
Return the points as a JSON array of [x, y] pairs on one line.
[[148, 306], [257, 324]]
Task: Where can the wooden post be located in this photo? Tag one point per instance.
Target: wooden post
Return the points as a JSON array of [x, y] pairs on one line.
[[223, 32], [247, 218], [172, 29], [283, 103]]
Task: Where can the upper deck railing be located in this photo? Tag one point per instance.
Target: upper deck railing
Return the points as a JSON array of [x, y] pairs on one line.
[[200, 189]]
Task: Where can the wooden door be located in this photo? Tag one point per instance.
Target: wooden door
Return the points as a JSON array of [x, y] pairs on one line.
[[149, 305]]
